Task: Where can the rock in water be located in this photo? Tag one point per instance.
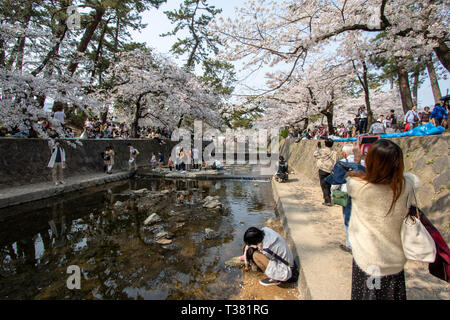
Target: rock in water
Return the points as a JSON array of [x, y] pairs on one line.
[[164, 241], [235, 262], [213, 204], [154, 218], [161, 235], [118, 204], [210, 234], [210, 198], [141, 191]]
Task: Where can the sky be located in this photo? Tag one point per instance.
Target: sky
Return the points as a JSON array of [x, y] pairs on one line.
[[157, 23]]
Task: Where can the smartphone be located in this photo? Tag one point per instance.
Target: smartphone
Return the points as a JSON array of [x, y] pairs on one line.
[[365, 142], [368, 140]]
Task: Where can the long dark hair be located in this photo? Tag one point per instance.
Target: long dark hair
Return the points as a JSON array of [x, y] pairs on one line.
[[384, 165]]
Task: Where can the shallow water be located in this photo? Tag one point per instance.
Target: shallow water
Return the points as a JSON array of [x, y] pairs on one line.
[[119, 257]]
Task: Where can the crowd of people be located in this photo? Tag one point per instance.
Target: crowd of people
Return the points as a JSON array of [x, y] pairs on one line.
[[96, 129], [383, 124], [92, 129]]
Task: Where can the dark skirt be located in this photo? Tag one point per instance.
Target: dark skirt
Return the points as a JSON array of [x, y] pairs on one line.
[[367, 287]]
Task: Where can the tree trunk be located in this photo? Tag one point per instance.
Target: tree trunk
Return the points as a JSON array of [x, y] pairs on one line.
[[415, 91], [180, 122], [405, 90], [104, 116], [367, 93], [84, 43], [329, 116], [364, 81], [137, 116], [190, 63], [443, 54], [51, 54], [98, 52], [306, 124], [2, 53], [20, 46], [434, 81]]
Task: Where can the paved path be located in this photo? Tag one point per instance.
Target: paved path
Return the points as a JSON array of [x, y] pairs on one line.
[[33, 192], [316, 231]]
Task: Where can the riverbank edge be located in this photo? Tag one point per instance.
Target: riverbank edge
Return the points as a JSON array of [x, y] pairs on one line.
[[36, 192], [302, 284]]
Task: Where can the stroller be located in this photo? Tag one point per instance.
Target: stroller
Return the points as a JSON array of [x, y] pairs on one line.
[[282, 174]]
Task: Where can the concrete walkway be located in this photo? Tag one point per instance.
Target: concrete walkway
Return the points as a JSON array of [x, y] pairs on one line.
[[315, 232], [19, 195]]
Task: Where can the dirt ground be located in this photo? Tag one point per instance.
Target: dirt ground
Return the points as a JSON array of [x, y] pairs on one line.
[[252, 290]]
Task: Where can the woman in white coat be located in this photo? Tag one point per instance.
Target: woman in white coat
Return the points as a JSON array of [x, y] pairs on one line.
[[57, 163]]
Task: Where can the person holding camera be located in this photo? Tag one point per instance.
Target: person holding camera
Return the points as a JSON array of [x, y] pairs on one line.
[[326, 159]]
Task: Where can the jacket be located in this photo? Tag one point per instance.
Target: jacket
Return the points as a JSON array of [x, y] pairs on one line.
[[340, 170], [374, 235], [377, 128], [51, 163], [412, 117], [326, 159], [439, 113]]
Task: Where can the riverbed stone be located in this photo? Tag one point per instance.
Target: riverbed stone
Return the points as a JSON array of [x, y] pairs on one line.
[[153, 218], [118, 204], [180, 225], [164, 241], [214, 204], [140, 191], [235, 262], [210, 234], [210, 198], [160, 235]]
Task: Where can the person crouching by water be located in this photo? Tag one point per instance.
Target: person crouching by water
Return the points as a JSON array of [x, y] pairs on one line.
[[380, 199], [270, 252], [282, 170], [57, 163]]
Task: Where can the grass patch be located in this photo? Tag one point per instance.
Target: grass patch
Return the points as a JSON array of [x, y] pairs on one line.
[[430, 162]]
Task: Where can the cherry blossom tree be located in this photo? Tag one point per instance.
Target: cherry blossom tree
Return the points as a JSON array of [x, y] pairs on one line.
[[149, 86], [287, 32]]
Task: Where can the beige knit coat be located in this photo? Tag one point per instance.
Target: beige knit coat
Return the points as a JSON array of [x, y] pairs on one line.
[[373, 233]]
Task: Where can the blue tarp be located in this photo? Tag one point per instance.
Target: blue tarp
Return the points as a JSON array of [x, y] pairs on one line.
[[425, 130]]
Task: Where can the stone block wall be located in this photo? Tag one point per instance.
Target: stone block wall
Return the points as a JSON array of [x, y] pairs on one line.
[[24, 161], [426, 157]]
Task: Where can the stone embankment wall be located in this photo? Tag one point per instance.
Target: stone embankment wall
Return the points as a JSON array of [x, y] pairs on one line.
[[24, 161], [426, 157]]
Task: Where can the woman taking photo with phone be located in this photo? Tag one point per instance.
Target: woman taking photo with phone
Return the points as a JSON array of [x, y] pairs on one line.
[[380, 199]]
